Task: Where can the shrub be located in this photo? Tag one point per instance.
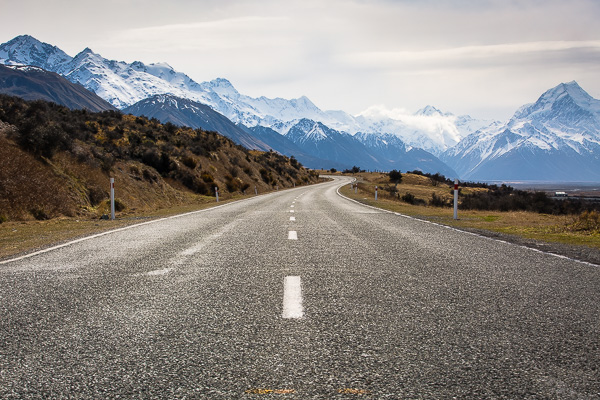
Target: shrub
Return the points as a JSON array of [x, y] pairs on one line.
[[119, 205], [96, 195], [189, 162], [395, 176], [391, 189], [207, 177], [436, 201], [408, 198], [39, 214], [588, 221]]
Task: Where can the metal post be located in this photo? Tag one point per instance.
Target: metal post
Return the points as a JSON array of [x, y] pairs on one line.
[[112, 198], [375, 193], [255, 190], [456, 199], [217, 193]]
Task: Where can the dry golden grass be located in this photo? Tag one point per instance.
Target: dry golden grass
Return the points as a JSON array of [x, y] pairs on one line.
[[549, 228], [24, 236]]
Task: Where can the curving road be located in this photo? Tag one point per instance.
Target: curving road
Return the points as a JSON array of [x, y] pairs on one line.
[[299, 294]]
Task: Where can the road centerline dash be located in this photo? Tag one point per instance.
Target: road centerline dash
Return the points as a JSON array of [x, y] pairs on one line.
[[292, 298], [292, 235]]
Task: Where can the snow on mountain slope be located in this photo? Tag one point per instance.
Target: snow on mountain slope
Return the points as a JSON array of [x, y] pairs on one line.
[[555, 138], [123, 84], [185, 112], [26, 50], [428, 128]]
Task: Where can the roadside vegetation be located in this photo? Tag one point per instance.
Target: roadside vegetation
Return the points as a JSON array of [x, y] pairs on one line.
[[503, 209], [55, 164]]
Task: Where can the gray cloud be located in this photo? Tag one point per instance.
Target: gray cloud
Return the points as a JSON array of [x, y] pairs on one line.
[[487, 57]]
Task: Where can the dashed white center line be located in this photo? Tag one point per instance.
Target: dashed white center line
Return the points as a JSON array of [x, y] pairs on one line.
[[292, 218], [292, 206], [160, 272], [292, 298], [291, 210], [292, 235]]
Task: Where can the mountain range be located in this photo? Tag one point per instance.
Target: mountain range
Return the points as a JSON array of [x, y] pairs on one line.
[[559, 133], [557, 138], [34, 83]]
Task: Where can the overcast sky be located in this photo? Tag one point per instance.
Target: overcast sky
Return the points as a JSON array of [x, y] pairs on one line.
[[485, 58]]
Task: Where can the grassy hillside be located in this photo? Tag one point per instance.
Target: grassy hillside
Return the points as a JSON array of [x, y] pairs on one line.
[[56, 162]]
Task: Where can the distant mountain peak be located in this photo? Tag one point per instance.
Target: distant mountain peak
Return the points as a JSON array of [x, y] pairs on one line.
[[85, 52], [553, 103], [27, 50], [429, 111]]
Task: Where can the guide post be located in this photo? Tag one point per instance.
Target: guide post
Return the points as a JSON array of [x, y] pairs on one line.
[[112, 198], [456, 199]]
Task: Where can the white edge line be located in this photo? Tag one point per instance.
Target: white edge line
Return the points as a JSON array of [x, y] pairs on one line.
[[60, 246], [466, 232]]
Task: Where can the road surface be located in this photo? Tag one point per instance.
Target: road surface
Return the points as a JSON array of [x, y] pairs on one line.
[[299, 294]]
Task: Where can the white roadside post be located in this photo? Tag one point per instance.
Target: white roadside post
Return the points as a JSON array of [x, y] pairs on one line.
[[375, 193], [255, 190], [217, 193], [456, 199], [356, 188], [112, 198]]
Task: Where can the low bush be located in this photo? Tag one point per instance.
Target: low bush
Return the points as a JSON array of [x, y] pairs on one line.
[[395, 176], [588, 221], [408, 198]]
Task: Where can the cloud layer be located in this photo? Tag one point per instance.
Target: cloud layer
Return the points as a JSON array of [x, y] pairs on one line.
[[485, 58]]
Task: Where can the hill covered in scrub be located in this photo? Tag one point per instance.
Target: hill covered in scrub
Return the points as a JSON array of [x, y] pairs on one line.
[[57, 162]]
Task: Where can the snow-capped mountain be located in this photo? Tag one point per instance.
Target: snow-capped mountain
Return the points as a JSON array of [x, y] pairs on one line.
[[428, 128], [557, 138], [315, 138], [185, 112], [393, 153], [34, 83], [371, 151], [124, 85], [26, 50]]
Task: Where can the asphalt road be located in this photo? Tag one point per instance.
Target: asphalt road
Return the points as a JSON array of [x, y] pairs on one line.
[[358, 303]]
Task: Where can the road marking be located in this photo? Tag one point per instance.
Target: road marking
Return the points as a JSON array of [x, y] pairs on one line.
[[292, 298], [293, 235], [160, 271], [125, 228], [353, 391], [270, 391], [292, 206], [292, 218], [291, 210]]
